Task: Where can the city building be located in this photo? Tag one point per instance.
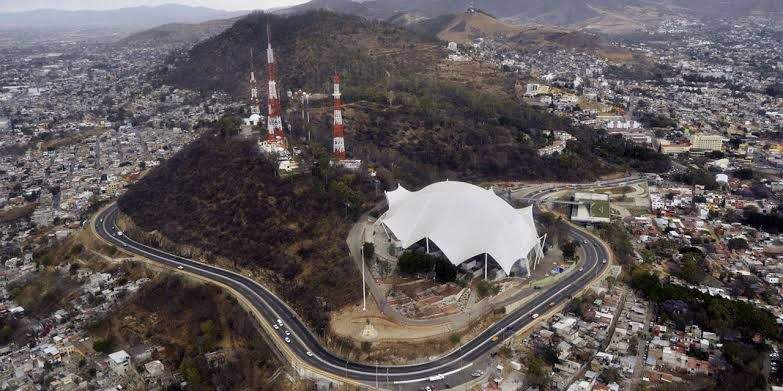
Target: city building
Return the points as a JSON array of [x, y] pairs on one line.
[[119, 362], [534, 89], [591, 208], [706, 142]]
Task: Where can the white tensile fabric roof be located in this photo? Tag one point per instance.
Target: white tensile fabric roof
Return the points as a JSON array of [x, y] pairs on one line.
[[463, 220]]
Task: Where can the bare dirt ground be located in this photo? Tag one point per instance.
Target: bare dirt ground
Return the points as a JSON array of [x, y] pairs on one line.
[[395, 343], [392, 342]]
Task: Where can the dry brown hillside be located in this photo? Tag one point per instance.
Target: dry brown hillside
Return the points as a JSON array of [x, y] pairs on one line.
[[466, 27]]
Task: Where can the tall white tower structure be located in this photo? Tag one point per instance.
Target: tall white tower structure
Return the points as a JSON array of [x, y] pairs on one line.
[[338, 144], [274, 124]]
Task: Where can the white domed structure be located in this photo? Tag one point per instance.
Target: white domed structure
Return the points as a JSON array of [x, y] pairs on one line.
[[463, 221]]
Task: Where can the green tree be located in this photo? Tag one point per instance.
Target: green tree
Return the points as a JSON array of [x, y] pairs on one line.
[[738, 244], [228, 125], [648, 256], [610, 375], [537, 373], [486, 288], [568, 247], [208, 328], [369, 250], [5, 334], [691, 268], [190, 371], [102, 345]]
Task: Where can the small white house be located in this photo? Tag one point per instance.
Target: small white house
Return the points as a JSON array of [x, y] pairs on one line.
[[119, 362]]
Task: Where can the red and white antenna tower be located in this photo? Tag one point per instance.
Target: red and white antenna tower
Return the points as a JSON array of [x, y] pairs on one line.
[[274, 124], [339, 128], [255, 106]]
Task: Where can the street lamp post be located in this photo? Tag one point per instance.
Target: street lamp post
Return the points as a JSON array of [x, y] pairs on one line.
[[364, 290], [485, 266]]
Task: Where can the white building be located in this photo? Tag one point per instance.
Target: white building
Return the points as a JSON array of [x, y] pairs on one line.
[[286, 162], [533, 89], [592, 208], [707, 142], [557, 146], [253, 120], [119, 362], [463, 221]]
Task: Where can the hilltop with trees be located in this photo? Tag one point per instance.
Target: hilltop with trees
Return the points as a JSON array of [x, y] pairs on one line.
[[416, 115], [221, 196]]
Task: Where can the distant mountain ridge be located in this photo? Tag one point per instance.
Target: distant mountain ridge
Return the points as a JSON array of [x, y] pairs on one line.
[[309, 46], [131, 17], [465, 27], [180, 33], [598, 14]]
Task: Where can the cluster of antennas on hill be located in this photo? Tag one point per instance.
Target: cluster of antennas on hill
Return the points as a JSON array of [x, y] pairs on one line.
[[275, 142]]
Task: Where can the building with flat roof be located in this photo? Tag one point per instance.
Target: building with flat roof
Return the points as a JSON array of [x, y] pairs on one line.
[[669, 148], [119, 362], [706, 142], [591, 208]]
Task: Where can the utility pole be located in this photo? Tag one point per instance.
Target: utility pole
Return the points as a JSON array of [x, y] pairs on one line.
[[255, 106], [485, 266], [364, 293]]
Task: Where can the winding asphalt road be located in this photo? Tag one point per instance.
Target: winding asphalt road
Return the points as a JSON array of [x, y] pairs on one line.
[[449, 369]]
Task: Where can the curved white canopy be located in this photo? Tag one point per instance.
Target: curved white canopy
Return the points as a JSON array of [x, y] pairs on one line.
[[463, 220]]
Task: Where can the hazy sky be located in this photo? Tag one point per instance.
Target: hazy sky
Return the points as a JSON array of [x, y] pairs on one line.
[[233, 5]]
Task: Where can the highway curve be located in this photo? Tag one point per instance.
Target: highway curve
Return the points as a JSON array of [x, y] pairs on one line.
[[305, 345]]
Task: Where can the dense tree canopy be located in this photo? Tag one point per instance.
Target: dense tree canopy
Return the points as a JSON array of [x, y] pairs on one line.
[[710, 312], [221, 196]]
